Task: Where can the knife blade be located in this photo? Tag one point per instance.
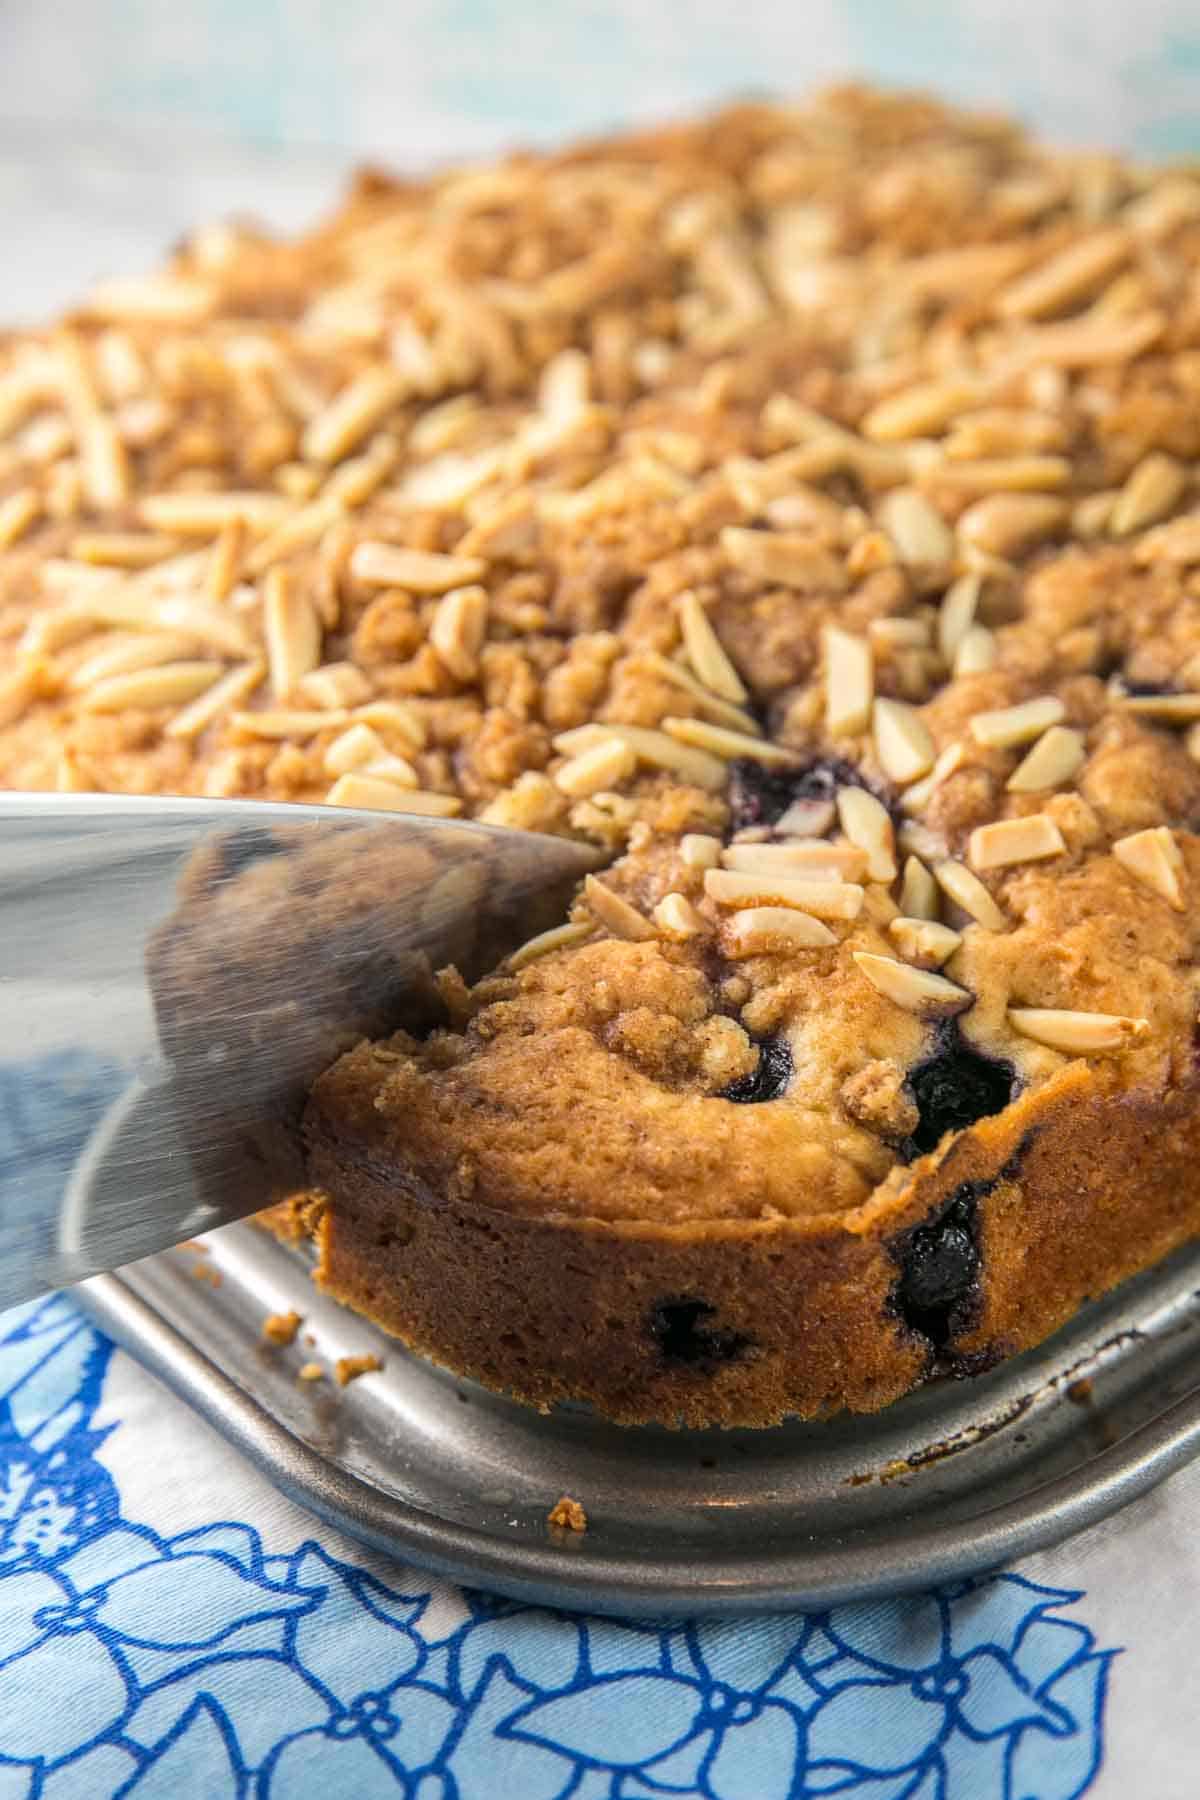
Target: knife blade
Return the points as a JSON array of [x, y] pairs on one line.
[[175, 973]]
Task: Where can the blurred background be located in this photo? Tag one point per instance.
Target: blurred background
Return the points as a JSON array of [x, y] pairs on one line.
[[124, 121]]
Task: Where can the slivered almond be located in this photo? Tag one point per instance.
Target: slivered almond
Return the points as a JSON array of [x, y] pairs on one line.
[[1056, 756], [918, 411], [849, 681], [699, 851], [353, 415], [966, 890], [458, 630], [292, 630], [167, 684], [17, 513], [393, 715], [918, 891], [389, 767], [1007, 841], [819, 861], [1176, 542], [824, 899], [676, 917], [705, 650], [725, 743], [1154, 858], [723, 711], [652, 747], [865, 821], [916, 990], [1150, 492], [924, 941], [1007, 525], [165, 299], [903, 746], [356, 480], [420, 571], [373, 795], [603, 766], [790, 559], [103, 463], [899, 634], [997, 475], [142, 652], [922, 538], [334, 685], [559, 937], [121, 549], [615, 913], [354, 747], [770, 931], [17, 693], [225, 561], [304, 527], [805, 819], [1067, 276], [203, 514], [1008, 726], [1167, 709], [229, 691], [1076, 1033], [283, 722], [976, 651]]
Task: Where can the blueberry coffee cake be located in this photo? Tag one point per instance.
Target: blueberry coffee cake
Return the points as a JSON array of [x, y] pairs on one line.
[[800, 507]]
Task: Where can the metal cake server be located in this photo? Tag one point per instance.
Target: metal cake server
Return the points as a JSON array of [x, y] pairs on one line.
[[219, 955]]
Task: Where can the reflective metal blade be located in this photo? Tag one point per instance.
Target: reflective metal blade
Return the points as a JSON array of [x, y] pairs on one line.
[[220, 954]]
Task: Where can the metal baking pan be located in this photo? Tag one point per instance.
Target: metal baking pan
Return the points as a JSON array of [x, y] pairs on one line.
[[960, 1477]]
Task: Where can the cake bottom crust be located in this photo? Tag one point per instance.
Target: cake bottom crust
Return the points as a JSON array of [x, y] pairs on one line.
[[973, 1253]]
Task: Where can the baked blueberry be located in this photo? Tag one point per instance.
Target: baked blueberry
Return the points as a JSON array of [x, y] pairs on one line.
[[954, 1088], [769, 1080], [678, 1329], [939, 1267], [759, 795]]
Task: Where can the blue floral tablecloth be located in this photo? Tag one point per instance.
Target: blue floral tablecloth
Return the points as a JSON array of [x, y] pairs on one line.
[[172, 1627]]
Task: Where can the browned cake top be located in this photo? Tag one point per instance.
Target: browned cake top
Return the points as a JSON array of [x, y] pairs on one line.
[[850, 449]]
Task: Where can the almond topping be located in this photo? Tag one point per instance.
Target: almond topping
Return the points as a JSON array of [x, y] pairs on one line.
[[17, 514], [304, 527], [384, 796], [559, 937], [772, 930], [818, 861], [292, 631], [1008, 726], [676, 917], [918, 411], [824, 899], [284, 722], [204, 515], [355, 413], [705, 651], [334, 685], [1148, 495], [805, 818], [1067, 276], [351, 750], [849, 681], [957, 613], [916, 990], [458, 630], [394, 715], [699, 851], [924, 941], [121, 549], [1076, 1033], [615, 913], [723, 711], [146, 651], [866, 823], [790, 559], [918, 891], [922, 538], [966, 890], [1154, 858], [420, 571], [725, 743], [902, 742], [1170, 709], [976, 651], [168, 684], [1008, 524], [230, 690], [603, 766], [1014, 841], [652, 747], [1053, 760]]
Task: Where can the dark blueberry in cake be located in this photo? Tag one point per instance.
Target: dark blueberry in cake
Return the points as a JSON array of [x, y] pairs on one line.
[[939, 1266], [760, 796], [243, 848], [678, 1328], [954, 1088], [768, 1080]]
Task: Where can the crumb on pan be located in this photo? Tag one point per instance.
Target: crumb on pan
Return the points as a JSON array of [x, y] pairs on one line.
[[349, 1368], [567, 1515], [281, 1328], [310, 1371]]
